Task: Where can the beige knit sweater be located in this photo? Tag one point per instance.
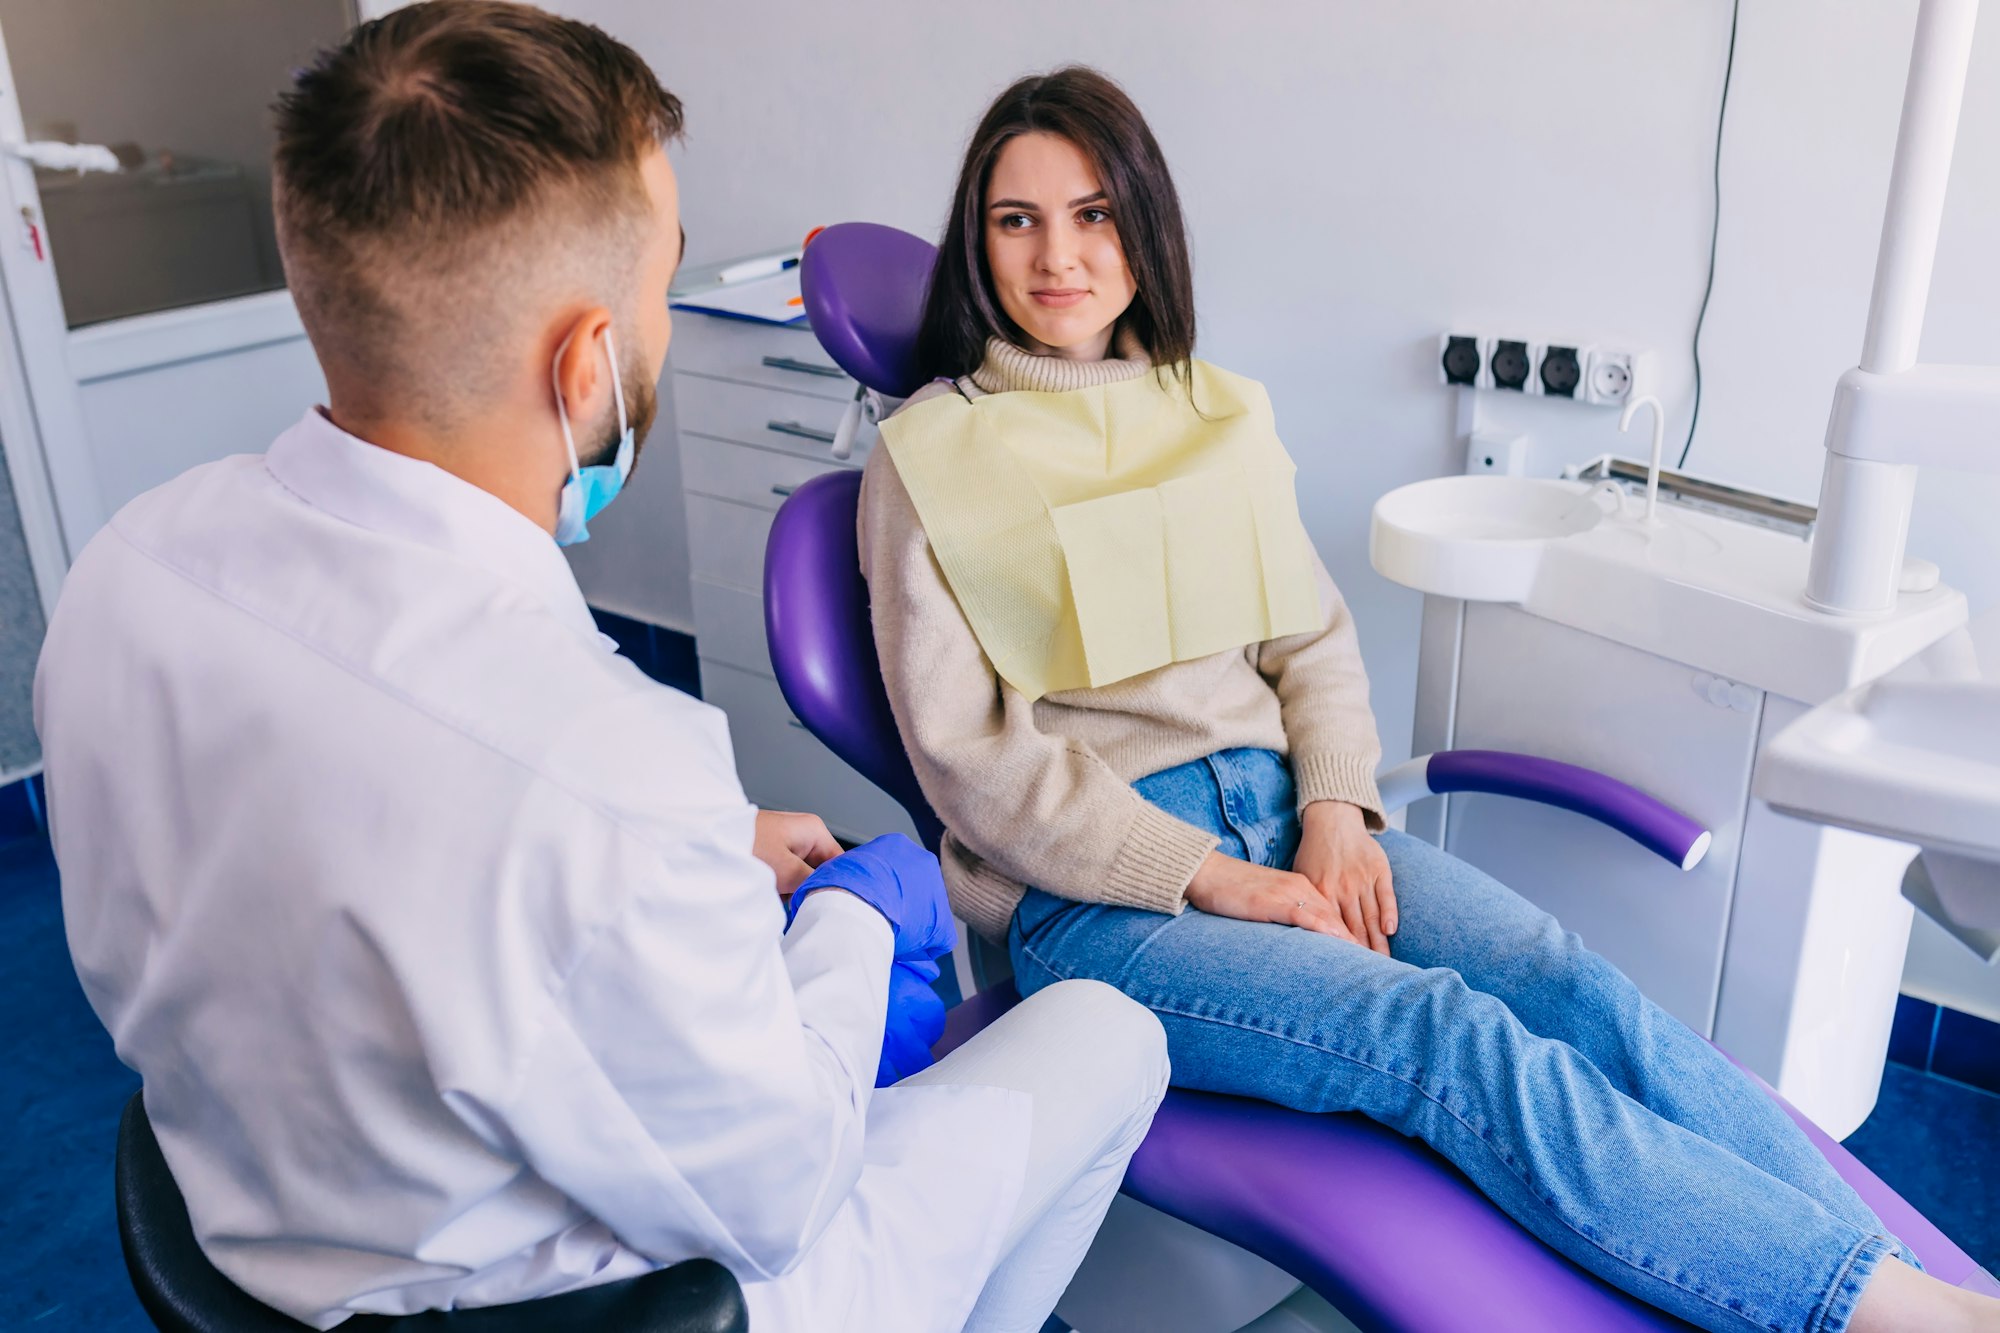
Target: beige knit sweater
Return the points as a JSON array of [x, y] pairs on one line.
[[1040, 793]]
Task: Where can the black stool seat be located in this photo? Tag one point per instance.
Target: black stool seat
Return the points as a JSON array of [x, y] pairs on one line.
[[184, 1293]]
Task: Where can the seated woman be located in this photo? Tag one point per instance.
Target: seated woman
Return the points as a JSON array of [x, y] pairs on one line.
[[1124, 678]]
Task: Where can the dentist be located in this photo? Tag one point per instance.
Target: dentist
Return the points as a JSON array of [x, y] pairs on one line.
[[448, 948]]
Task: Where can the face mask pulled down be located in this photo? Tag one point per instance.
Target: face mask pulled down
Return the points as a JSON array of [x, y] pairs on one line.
[[590, 489]]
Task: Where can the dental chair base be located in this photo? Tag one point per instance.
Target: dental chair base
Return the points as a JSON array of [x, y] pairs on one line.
[[1146, 1270], [1151, 1271]]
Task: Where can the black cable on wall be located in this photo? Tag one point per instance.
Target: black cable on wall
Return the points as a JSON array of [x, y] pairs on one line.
[[1714, 228]]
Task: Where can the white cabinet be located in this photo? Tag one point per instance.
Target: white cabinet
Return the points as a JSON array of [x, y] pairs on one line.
[[1531, 685], [1784, 945], [757, 405]]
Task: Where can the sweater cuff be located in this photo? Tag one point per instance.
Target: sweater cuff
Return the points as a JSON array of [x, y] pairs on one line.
[[1340, 777], [1156, 862], [983, 897]]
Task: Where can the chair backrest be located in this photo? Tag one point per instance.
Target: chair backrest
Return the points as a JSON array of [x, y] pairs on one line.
[[864, 286], [822, 644], [184, 1293]]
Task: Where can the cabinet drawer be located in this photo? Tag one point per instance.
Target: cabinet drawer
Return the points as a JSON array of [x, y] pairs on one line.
[[726, 542], [779, 358], [785, 768], [729, 626], [759, 477], [752, 414]]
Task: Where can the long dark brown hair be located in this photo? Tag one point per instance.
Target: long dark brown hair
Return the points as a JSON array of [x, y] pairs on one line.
[[1088, 109]]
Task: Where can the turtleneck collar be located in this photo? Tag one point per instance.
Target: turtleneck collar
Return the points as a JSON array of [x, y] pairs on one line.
[[1010, 367]]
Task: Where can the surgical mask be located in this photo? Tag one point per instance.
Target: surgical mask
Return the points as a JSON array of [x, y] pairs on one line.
[[589, 489]]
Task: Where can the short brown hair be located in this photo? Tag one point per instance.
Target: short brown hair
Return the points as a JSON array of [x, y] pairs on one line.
[[420, 163], [1091, 111]]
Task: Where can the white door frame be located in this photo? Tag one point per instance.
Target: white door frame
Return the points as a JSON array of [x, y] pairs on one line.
[[44, 441]]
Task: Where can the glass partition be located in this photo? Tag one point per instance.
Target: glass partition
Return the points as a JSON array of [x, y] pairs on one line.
[[181, 94]]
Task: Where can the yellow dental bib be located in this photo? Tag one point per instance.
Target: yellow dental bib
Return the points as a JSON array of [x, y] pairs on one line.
[[1098, 533]]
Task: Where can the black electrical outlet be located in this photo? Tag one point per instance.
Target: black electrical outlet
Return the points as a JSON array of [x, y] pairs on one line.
[[1510, 366], [1562, 371], [1461, 360]]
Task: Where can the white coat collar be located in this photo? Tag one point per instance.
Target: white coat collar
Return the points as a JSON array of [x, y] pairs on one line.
[[387, 492]]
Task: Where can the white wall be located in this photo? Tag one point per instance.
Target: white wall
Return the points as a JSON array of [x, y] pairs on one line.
[[1359, 177], [1362, 176]]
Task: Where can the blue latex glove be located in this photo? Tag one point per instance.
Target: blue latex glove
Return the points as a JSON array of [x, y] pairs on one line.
[[901, 881], [916, 1021]]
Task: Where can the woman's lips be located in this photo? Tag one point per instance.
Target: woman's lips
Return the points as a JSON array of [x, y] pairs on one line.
[[1057, 298]]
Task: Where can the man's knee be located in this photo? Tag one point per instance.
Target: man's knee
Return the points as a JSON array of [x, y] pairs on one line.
[[1122, 1035]]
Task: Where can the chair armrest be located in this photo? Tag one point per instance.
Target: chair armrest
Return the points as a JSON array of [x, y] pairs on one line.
[[1648, 821]]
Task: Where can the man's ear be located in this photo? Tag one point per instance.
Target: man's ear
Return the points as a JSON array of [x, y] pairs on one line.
[[581, 372]]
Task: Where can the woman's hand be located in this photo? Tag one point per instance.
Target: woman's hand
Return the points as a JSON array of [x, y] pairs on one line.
[[1228, 886], [792, 844], [1349, 869]]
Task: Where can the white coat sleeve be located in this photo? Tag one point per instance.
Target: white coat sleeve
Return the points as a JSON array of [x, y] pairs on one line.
[[703, 1084]]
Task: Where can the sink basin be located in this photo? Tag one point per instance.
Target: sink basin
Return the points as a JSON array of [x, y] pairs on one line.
[[1476, 538]]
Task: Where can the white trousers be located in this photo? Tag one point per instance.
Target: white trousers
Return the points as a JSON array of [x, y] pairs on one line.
[[1095, 1064]]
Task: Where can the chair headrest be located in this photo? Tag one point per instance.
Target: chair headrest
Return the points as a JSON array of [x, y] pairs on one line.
[[864, 286]]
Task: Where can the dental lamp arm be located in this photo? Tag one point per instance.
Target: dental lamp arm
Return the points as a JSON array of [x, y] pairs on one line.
[[1890, 413], [1651, 823]]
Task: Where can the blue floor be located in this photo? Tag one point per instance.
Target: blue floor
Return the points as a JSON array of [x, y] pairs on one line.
[[1936, 1141], [60, 1268]]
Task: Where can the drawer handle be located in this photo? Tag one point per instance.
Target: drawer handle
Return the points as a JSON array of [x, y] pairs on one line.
[[799, 367], [802, 432], [783, 492]]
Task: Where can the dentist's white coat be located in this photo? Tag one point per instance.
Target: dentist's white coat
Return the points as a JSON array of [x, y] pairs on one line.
[[432, 927]]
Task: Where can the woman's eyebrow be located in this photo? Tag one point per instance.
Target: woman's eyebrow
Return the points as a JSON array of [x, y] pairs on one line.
[[1023, 205]]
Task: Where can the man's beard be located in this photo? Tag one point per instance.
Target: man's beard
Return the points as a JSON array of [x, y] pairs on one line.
[[642, 405]]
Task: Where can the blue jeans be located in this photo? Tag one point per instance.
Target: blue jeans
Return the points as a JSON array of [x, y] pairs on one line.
[[1596, 1120]]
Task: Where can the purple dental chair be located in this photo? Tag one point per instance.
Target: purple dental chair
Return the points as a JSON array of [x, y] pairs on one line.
[[1381, 1226]]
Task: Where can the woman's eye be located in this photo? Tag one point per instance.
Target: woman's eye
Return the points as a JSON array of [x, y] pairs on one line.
[[1017, 222], [1094, 215]]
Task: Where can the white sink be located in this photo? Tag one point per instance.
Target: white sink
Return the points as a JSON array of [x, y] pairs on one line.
[[1476, 538], [1720, 596], [1916, 756]]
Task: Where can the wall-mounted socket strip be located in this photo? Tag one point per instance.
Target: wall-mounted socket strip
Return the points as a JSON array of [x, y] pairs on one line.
[[1601, 374], [1494, 453]]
